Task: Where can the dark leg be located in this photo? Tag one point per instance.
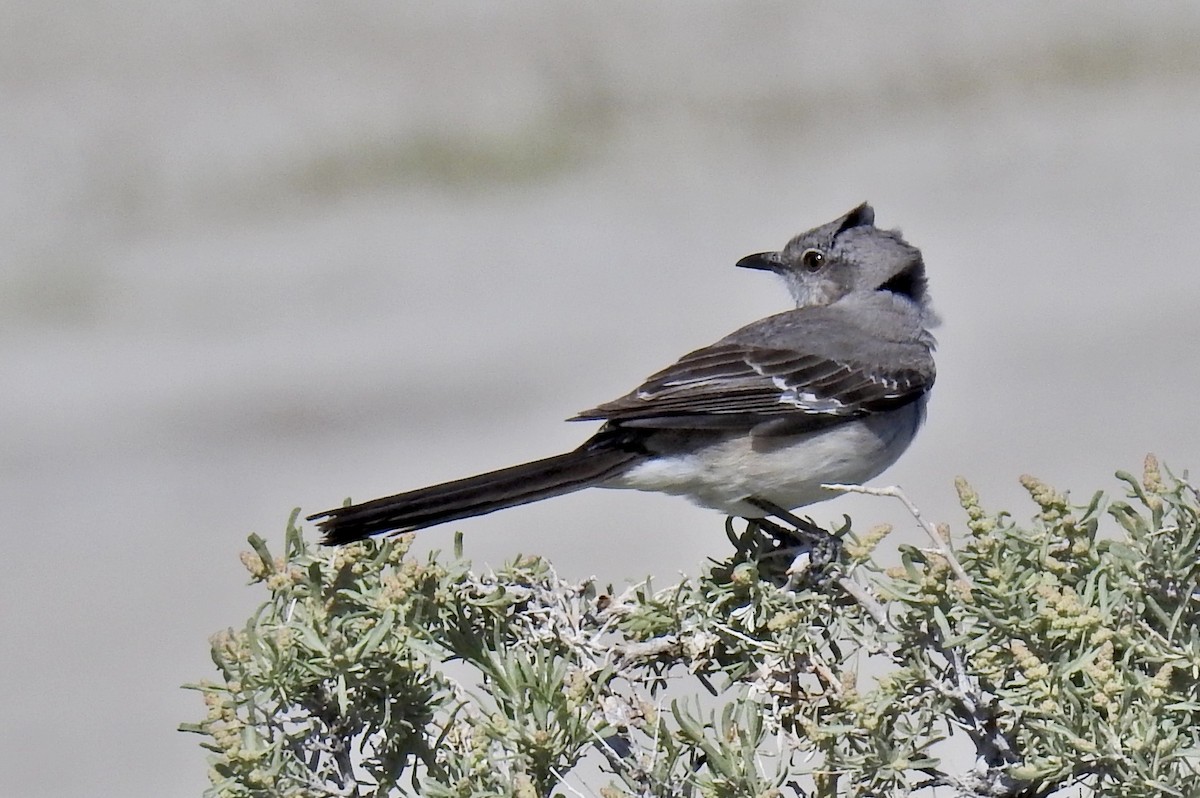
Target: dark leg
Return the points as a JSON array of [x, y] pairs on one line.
[[804, 536], [798, 523], [784, 536]]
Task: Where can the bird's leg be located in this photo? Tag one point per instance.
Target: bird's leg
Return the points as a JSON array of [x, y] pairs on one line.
[[798, 524], [812, 544], [785, 537]]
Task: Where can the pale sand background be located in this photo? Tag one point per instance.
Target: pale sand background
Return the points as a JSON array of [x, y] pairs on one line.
[[258, 255]]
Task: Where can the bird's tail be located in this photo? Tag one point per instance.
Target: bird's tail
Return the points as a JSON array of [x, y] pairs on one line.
[[590, 464]]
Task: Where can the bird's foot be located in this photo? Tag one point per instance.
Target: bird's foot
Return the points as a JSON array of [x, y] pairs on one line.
[[811, 548]]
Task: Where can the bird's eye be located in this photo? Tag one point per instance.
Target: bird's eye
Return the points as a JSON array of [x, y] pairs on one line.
[[812, 259]]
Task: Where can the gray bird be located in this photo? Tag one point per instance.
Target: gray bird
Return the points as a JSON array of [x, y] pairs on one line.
[[830, 392]]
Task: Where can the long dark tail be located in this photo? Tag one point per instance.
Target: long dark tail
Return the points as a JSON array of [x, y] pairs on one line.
[[603, 456]]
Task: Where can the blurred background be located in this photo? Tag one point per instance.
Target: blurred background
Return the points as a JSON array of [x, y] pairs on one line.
[[264, 255]]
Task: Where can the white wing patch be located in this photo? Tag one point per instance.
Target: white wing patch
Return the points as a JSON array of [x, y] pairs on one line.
[[807, 401]]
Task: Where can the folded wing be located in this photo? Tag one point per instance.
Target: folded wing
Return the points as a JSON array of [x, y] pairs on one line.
[[747, 379]]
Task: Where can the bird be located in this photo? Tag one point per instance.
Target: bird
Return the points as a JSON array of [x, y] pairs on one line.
[[754, 425]]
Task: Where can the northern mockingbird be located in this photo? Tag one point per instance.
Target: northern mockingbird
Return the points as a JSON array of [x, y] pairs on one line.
[[830, 392]]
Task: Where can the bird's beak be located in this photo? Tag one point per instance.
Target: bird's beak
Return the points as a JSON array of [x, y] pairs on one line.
[[766, 261]]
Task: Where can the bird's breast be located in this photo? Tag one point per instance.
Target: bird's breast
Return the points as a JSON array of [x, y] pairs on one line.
[[721, 470]]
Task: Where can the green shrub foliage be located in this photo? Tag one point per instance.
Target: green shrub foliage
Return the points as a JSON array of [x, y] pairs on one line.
[[1056, 657]]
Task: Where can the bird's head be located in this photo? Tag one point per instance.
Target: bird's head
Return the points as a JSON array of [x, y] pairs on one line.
[[849, 255]]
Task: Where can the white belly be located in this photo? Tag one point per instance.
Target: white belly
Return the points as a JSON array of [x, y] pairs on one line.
[[787, 471]]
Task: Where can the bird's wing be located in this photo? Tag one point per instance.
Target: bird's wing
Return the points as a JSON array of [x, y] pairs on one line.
[[738, 381]]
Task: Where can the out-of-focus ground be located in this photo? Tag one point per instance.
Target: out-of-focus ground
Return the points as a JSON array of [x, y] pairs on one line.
[[254, 256]]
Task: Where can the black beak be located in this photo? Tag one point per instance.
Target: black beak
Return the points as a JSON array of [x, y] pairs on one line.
[[766, 261]]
